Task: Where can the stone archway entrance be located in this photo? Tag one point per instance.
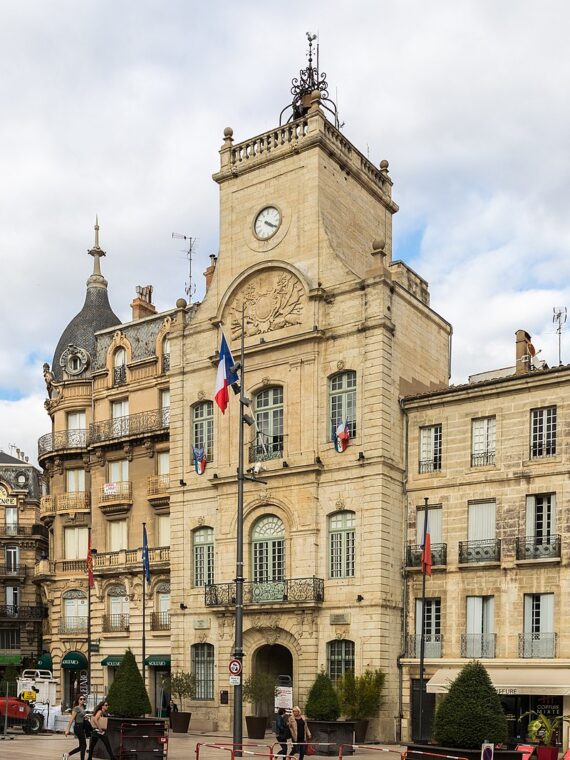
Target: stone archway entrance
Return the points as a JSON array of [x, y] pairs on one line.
[[275, 659]]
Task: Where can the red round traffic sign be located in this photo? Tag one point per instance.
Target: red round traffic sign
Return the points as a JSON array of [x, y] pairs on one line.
[[235, 667]]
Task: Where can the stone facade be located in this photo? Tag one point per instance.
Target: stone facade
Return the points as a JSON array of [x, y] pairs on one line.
[[502, 535], [323, 303]]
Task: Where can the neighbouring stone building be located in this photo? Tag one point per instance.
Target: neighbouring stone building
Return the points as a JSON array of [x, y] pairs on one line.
[[23, 541], [107, 464], [492, 457], [336, 330]]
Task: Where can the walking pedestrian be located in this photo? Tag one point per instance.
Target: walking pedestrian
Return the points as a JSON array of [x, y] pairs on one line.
[[299, 732], [79, 721], [99, 730], [282, 731]]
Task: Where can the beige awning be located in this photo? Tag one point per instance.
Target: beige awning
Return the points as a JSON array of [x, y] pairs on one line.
[[542, 681]]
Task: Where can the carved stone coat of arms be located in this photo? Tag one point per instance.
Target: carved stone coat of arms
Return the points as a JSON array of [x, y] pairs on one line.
[[270, 302]]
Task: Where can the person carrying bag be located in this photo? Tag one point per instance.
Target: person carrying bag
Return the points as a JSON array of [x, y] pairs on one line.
[[299, 732], [81, 728], [282, 731]]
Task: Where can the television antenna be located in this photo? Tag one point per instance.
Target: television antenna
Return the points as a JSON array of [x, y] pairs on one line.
[[559, 317], [189, 289]]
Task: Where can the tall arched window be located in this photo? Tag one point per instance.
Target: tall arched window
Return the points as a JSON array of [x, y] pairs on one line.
[[161, 616], [117, 619], [203, 557], [203, 670], [75, 612], [342, 401], [340, 657], [166, 354], [268, 408], [203, 428], [120, 367], [268, 559], [342, 544]]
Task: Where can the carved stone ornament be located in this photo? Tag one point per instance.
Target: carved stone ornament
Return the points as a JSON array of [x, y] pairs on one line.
[[74, 360], [339, 503], [274, 300], [340, 365], [265, 380], [201, 395], [201, 520]]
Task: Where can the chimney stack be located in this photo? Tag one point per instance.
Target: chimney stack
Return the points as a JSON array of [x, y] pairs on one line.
[[524, 352], [142, 306], [209, 273]]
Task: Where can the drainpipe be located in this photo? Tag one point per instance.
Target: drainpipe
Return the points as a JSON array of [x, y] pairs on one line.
[[404, 584]]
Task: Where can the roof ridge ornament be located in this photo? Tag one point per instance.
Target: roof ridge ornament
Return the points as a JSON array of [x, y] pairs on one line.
[[310, 79], [96, 279]]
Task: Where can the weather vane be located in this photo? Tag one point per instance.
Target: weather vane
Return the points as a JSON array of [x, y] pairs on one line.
[[309, 79]]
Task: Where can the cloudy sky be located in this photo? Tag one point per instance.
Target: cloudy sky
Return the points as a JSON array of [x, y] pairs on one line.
[[118, 108]]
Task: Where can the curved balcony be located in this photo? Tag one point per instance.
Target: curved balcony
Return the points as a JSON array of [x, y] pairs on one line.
[[62, 441], [76, 501], [116, 498], [130, 426], [292, 590], [157, 491], [47, 507]]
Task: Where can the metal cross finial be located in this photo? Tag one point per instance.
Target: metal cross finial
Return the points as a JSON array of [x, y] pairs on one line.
[[96, 231], [96, 252], [311, 38]]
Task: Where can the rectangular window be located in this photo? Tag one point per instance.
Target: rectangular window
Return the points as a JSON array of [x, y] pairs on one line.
[[76, 421], [12, 599], [203, 670], [9, 638], [119, 471], [483, 436], [12, 555], [340, 658], [163, 463], [539, 639], [75, 543], [480, 635], [432, 628], [481, 521], [120, 417], [342, 402], [117, 535], [342, 544], [11, 524], [543, 432], [203, 428], [430, 448], [204, 557], [541, 516], [435, 518], [163, 530], [75, 481]]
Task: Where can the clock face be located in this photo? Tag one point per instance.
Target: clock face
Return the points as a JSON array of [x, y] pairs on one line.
[[267, 222]]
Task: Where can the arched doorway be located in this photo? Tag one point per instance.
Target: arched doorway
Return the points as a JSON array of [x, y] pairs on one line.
[[275, 659]]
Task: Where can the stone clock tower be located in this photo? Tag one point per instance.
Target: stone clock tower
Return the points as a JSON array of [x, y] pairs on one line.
[[336, 331]]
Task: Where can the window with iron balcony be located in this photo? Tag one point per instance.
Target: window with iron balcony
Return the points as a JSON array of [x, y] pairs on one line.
[[431, 444], [543, 432]]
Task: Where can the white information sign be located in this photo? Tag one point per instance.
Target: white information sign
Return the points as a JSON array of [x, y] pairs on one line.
[[235, 680], [284, 697]]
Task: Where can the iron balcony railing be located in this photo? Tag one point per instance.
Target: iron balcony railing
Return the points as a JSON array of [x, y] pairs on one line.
[[24, 530], [22, 612], [432, 645], [47, 506], [129, 425], [288, 590], [477, 645], [160, 621], [266, 447], [537, 645], [73, 625], [116, 622], [120, 375], [430, 465], [487, 550], [120, 490], [438, 555], [165, 362], [64, 439], [535, 547], [157, 485], [73, 501], [14, 571], [483, 458]]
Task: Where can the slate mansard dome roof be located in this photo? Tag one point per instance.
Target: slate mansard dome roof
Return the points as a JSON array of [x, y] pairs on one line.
[[75, 350]]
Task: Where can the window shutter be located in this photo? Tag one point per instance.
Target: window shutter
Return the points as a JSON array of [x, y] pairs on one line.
[[530, 516], [528, 613], [489, 614], [418, 617], [474, 614], [482, 522], [546, 613]]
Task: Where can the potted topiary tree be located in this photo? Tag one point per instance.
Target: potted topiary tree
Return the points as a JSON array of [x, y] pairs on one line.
[[360, 698], [322, 711], [183, 686], [544, 730], [469, 714], [259, 690]]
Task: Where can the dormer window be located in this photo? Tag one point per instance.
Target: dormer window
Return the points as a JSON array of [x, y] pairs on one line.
[[120, 367]]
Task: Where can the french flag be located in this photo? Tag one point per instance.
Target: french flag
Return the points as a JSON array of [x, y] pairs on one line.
[[426, 547], [224, 376]]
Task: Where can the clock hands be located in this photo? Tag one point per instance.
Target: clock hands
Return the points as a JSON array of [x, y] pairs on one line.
[[269, 224]]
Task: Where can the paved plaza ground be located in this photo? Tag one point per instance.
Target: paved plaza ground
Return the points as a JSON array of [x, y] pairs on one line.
[[180, 747]]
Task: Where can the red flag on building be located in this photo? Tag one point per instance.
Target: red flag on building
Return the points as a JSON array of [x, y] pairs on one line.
[[90, 562], [426, 547]]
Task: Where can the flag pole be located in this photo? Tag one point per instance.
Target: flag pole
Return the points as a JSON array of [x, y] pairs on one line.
[[423, 631], [144, 572], [90, 583]]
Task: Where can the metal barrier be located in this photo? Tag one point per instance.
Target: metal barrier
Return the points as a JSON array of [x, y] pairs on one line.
[[235, 750], [309, 743], [374, 747], [414, 752]]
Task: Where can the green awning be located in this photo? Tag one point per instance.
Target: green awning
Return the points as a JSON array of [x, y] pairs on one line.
[[158, 660], [74, 661], [10, 659], [45, 662], [112, 660]]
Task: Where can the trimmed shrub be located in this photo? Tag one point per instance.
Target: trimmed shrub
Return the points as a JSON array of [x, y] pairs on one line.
[[471, 711], [127, 695], [360, 697], [259, 690], [322, 702]]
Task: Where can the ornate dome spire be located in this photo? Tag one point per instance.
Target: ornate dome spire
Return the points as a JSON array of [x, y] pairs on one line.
[[96, 280]]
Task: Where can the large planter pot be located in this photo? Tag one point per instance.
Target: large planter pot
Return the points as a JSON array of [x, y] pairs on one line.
[[179, 721], [470, 754], [360, 729], [546, 753], [256, 726], [140, 735], [328, 735]]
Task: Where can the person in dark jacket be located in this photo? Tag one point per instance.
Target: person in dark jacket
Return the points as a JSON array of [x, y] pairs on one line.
[[282, 731]]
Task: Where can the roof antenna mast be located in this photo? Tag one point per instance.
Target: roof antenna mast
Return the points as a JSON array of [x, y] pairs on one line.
[[559, 316], [188, 287]]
